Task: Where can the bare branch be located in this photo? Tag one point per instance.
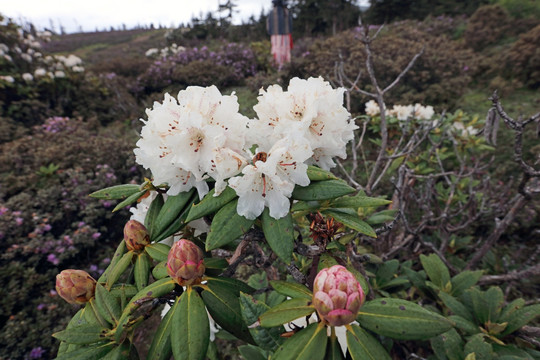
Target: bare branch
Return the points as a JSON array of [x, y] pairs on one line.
[[405, 71]]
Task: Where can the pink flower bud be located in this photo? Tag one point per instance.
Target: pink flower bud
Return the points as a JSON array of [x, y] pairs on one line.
[[75, 286], [185, 263], [135, 235], [337, 295]]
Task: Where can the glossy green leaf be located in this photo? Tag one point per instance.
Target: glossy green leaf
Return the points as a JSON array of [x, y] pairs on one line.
[[76, 320], [119, 252], [161, 349], [224, 307], [382, 217], [522, 317], [120, 352], [190, 331], [322, 190], [116, 192], [251, 309], [352, 221], [358, 201], [233, 285], [250, 352], [363, 346], [152, 291], [158, 251], [92, 315], [216, 263], [476, 344], [333, 350], [92, 352], [315, 173], [291, 289], [119, 268], [436, 270], [82, 334], [402, 320], [307, 344], [286, 312], [466, 326], [142, 270], [464, 280], [178, 223], [123, 291], [448, 345], [107, 305], [486, 305], [151, 215], [227, 226], [456, 306], [210, 204], [279, 234], [129, 200], [171, 210], [160, 270], [508, 311]]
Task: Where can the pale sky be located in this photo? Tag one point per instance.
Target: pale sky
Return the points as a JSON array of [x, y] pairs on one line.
[[89, 14]]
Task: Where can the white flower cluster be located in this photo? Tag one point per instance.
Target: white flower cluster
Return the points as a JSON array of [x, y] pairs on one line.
[[464, 131], [166, 51], [202, 135], [402, 112]]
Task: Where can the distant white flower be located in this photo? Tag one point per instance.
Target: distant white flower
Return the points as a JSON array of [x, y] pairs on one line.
[[464, 131], [26, 57], [27, 77], [423, 112], [372, 108], [151, 52], [77, 68], [40, 72], [59, 74], [310, 108], [7, 78], [3, 49], [8, 58], [270, 180], [402, 112], [72, 60], [50, 74]]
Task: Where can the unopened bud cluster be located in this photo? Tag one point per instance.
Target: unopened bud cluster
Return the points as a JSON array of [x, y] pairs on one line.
[[185, 263], [75, 286], [337, 295], [136, 236]]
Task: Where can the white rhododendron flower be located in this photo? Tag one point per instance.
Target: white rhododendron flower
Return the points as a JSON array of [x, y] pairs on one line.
[[7, 78], [27, 77], [372, 108], [465, 131], [311, 108], [59, 74], [402, 112], [185, 142], [40, 72], [270, 180], [423, 112]]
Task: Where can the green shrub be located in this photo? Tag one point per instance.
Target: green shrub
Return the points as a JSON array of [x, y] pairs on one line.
[[488, 25], [523, 59]]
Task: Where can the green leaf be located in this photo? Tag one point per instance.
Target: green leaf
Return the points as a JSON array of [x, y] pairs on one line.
[[161, 349], [467, 326], [171, 210], [92, 352], [177, 224], [402, 320], [76, 320], [129, 200], [107, 305], [151, 216], [142, 270], [333, 350], [486, 305], [358, 201], [448, 345], [268, 339], [152, 291], [522, 317], [116, 192], [286, 311], [307, 344], [227, 226], [82, 334], [123, 291], [436, 270], [215, 263], [158, 251], [224, 307], [382, 217], [210, 204], [279, 234], [190, 331], [119, 268], [315, 173], [509, 310], [352, 222], [250, 352], [464, 280], [120, 352], [233, 285], [293, 290], [160, 270], [120, 250], [481, 349], [363, 346], [456, 306], [322, 190]]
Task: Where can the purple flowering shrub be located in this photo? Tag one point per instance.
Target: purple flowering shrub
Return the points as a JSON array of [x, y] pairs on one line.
[[194, 66], [48, 223]]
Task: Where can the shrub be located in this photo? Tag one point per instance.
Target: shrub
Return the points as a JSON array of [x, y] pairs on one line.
[[488, 25], [523, 59]]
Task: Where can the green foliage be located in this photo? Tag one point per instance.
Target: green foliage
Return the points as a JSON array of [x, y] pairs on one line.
[[488, 25]]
